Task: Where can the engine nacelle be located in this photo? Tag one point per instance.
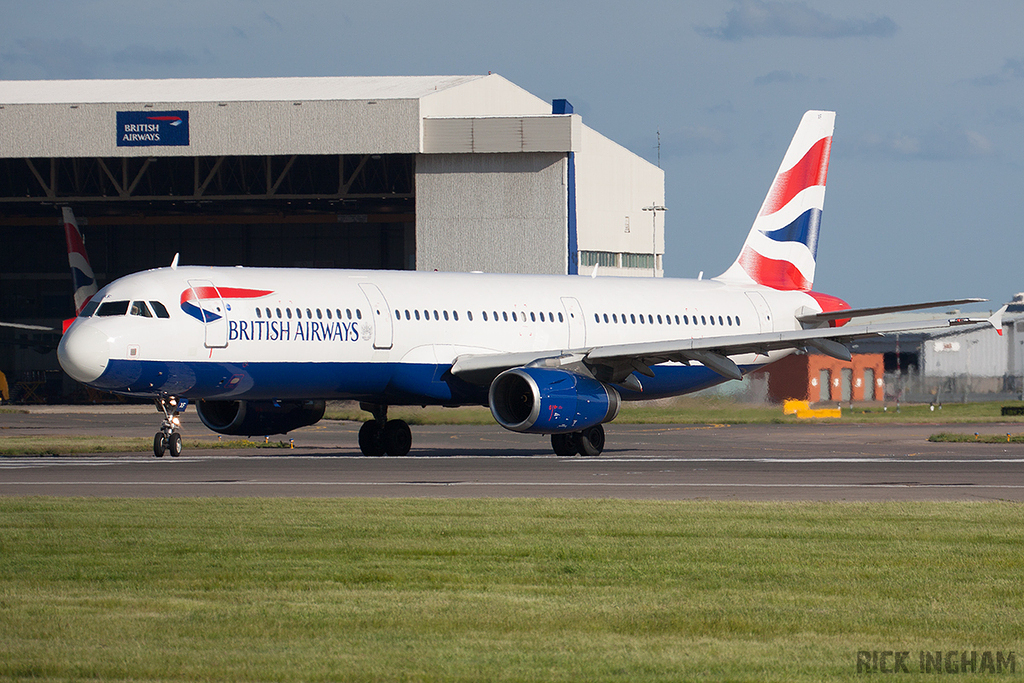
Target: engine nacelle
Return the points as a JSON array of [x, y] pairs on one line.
[[550, 401], [249, 418]]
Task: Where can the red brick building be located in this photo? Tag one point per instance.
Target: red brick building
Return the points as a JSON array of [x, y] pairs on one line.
[[823, 379]]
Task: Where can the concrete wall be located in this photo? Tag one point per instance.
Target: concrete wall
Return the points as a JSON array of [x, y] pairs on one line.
[[1014, 333], [501, 134], [980, 352], [497, 213], [612, 187]]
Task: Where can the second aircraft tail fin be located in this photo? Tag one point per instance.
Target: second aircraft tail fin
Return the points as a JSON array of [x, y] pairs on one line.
[[82, 278]]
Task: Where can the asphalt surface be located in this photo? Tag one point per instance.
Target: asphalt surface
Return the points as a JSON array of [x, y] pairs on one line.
[[671, 462]]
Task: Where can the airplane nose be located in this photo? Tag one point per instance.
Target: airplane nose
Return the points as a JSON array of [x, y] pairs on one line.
[[83, 352]]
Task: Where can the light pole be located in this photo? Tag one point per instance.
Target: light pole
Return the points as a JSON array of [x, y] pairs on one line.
[[654, 209]]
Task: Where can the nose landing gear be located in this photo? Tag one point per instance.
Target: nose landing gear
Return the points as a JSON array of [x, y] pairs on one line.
[[168, 438]]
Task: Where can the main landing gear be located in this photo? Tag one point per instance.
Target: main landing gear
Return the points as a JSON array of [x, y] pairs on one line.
[[589, 442], [169, 438], [381, 436]]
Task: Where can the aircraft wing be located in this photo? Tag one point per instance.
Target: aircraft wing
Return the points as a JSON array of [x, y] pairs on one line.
[[21, 335], [847, 313], [615, 363]]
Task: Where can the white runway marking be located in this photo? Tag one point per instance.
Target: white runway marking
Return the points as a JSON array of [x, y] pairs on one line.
[[517, 484], [29, 463]]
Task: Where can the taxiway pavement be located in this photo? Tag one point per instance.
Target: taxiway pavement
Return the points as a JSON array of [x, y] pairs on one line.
[[727, 462]]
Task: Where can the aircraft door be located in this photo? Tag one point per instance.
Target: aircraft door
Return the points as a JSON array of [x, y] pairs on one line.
[[763, 311], [577, 325], [212, 311], [382, 329]]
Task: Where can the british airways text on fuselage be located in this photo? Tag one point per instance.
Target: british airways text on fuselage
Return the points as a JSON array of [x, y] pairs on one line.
[[283, 331]]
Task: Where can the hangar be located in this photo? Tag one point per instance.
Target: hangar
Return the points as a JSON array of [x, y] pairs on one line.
[[453, 173]]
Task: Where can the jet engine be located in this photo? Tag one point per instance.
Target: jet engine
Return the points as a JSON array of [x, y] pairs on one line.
[[550, 401], [249, 418]]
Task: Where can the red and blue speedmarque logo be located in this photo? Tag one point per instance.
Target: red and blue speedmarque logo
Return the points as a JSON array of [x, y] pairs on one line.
[[193, 298], [198, 300], [172, 120]]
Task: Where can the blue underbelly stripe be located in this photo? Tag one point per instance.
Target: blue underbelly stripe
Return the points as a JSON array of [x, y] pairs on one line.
[[389, 383]]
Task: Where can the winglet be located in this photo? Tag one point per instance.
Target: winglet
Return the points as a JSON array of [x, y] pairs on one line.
[[996, 320]]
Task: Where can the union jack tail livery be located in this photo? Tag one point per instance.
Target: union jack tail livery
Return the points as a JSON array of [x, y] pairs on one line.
[[782, 245], [82, 278]]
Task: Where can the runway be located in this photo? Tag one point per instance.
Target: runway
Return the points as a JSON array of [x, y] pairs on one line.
[[671, 462]]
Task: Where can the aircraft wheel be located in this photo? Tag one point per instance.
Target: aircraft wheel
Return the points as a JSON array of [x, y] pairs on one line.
[[371, 439], [174, 444], [159, 444], [590, 441], [564, 444], [397, 438]]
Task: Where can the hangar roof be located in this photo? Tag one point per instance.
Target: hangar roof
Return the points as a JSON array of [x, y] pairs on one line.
[[226, 89]]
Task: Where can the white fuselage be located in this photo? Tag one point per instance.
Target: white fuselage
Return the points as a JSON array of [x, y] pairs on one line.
[[390, 336]]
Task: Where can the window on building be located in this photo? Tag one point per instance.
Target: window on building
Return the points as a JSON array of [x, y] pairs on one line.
[[599, 258]]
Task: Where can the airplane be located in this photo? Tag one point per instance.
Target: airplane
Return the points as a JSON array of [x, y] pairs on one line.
[[261, 349]]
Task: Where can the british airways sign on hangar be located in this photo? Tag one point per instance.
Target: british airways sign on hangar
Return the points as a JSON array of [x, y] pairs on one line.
[[152, 129]]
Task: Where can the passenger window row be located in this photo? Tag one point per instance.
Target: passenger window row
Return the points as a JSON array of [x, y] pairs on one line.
[[309, 313], [651, 319], [156, 309], [503, 316]]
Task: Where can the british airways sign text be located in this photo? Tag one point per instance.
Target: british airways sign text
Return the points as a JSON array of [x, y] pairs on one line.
[[152, 129], [293, 330]]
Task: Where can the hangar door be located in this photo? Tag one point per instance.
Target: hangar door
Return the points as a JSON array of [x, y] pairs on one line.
[[326, 211]]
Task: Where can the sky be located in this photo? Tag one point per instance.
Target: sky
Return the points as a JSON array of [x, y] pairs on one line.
[[925, 196]]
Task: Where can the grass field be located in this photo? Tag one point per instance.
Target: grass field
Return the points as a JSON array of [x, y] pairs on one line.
[[960, 437], [503, 590]]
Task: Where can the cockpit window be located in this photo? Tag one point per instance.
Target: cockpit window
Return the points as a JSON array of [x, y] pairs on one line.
[[159, 309], [140, 308], [112, 308], [89, 309]]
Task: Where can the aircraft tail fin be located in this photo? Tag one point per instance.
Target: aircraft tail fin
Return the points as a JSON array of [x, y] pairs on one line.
[[782, 245], [82, 278]]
